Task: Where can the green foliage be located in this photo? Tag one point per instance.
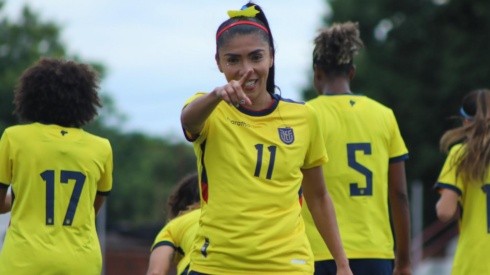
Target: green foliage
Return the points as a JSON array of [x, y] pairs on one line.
[[420, 58], [22, 44], [145, 168], [145, 171]]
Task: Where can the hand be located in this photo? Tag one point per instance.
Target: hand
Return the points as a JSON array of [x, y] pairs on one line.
[[232, 93]]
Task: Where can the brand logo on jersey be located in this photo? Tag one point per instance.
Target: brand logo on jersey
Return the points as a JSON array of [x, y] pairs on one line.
[[63, 132], [238, 123], [286, 135]]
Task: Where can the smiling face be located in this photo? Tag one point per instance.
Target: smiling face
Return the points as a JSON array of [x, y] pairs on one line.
[[247, 52]]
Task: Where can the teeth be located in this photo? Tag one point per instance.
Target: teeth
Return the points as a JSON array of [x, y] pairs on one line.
[[250, 83]]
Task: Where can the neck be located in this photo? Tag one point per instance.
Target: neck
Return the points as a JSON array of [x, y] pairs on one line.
[[261, 103], [338, 88]]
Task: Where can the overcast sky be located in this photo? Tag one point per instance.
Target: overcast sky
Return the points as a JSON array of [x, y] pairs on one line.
[[160, 52]]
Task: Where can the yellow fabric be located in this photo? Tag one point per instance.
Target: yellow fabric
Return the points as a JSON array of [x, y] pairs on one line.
[[39, 161], [180, 233], [474, 239], [249, 165], [361, 137]]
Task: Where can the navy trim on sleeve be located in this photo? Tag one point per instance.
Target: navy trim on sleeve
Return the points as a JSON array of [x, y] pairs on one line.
[[162, 243], [440, 185], [106, 193], [4, 185], [189, 137], [399, 158]]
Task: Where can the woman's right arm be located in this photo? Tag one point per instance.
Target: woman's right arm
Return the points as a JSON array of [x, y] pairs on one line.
[[195, 113], [447, 205]]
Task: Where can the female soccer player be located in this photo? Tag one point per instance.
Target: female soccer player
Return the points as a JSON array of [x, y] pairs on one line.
[[58, 173], [254, 150], [366, 174], [179, 233], [465, 181]]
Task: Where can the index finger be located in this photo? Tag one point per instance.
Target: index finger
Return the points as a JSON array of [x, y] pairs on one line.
[[245, 77]]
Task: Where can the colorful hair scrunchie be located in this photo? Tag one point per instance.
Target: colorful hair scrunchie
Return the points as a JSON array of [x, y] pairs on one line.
[[245, 12]]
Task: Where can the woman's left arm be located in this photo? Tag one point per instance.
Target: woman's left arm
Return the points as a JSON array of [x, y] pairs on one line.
[[400, 213], [323, 213]]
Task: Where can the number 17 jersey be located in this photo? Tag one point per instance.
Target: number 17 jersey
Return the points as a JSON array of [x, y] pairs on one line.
[[55, 174]]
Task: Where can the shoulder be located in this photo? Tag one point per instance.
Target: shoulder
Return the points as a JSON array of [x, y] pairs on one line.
[[95, 137], [456, 150], [376, 104], [194, 97], [288, 100], [97, 141]]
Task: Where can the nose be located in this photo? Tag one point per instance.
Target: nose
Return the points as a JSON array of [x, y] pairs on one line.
[[246, 66]]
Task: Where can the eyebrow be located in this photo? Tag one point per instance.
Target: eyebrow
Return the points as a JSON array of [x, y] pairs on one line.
[[251, 53]]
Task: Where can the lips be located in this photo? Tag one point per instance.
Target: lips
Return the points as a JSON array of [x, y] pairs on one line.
[[250, 84]]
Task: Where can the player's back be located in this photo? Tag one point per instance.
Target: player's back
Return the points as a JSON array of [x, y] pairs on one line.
[[361, 137], [55, 174]]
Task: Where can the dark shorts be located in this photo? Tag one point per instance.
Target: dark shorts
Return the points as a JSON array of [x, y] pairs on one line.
[[358, 267], [195, 273]]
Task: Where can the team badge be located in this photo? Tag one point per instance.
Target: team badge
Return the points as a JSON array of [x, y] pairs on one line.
[[286, 135]]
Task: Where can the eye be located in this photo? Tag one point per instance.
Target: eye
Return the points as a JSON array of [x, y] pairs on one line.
[[257, 57], [231, 60]]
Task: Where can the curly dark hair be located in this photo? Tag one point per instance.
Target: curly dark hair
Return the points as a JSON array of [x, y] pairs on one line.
[[184, 195], [56, 91], [336, 46]]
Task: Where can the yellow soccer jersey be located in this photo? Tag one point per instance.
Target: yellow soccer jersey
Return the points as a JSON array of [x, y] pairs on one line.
[[250, 178], [179, 233], [362, 138], [474, 240], [55, 174]]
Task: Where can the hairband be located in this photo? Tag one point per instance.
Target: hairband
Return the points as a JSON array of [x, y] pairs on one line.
[[464, 114], [244, 12]]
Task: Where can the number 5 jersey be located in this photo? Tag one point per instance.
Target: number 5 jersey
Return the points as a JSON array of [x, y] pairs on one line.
[[362, 139]]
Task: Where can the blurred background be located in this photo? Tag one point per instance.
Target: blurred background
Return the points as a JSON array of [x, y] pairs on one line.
[[421, 56]]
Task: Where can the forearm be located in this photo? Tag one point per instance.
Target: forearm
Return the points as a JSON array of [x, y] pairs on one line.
[[400, 213], [195, 114], [401, 225], [99, 201]]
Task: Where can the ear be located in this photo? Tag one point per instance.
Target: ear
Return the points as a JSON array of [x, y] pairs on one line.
[[317, 79], [216, 57], [352, 72], [317, 73]]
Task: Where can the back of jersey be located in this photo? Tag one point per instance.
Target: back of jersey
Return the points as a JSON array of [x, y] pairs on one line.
[[55, 174], [362, 138]]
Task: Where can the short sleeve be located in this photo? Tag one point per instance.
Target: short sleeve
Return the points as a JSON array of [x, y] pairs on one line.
[[5, 160], [104, 185], [398, 150], [317, 153], [188, 136], [448, 178]]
